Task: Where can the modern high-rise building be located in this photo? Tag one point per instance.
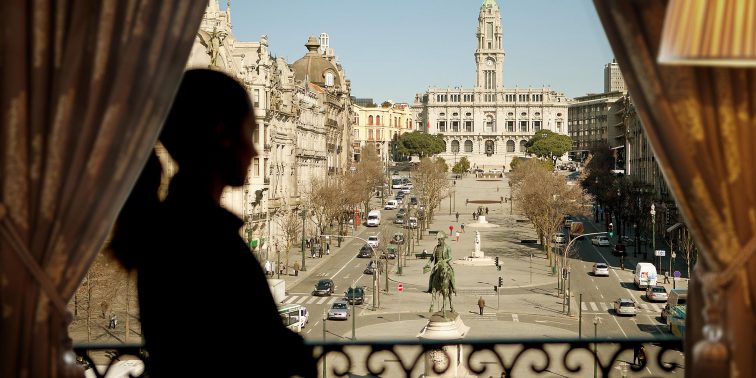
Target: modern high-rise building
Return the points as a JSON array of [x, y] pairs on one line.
[[613, 80], [488, 123]]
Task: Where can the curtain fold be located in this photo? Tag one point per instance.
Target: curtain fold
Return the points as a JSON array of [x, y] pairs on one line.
[[701, 124], [84, 88]]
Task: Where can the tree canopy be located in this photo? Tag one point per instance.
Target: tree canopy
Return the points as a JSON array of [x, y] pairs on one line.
[[462, 166], [516, 161], [420, 144], [548, 144]]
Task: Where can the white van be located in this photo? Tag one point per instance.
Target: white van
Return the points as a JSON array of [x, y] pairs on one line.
[[645, 275], [391, 205], [374, 218]]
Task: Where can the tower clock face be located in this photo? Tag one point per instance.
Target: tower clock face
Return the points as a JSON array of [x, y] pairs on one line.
[[489, 62]]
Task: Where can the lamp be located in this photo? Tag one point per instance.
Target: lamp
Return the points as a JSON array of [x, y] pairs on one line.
[[709, 33]]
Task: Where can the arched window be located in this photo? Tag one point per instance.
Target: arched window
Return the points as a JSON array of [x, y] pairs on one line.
[[468, 146], [489, 124], [370, 120], [444, 145], [455, 146], [329, 79], [378, 120], [522, 146], [510, 146]]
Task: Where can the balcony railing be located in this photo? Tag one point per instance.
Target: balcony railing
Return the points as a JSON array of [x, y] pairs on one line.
[[568, 357]]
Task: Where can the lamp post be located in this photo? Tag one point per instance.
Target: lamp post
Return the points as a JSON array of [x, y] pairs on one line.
[[653, 231], [304, 213], [325, 319], [510, 197]]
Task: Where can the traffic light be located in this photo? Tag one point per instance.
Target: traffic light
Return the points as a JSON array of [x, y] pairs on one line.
[[611, 230], [501, 282], [497, 260]]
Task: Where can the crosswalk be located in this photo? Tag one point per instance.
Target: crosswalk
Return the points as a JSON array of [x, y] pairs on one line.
[[605, 306], [309, 299]]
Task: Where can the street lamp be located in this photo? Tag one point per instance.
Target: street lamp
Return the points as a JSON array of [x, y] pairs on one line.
[[325, 319], [304, 213], [653, 230]]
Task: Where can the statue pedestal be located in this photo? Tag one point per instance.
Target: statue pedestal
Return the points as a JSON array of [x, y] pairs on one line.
[[478, 255], [482, 219], [448, 359]]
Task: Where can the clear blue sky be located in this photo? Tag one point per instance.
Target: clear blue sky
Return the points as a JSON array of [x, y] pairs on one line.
[[392, 49]]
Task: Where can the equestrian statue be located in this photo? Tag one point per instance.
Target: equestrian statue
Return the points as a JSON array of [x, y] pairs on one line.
[[441, 282]]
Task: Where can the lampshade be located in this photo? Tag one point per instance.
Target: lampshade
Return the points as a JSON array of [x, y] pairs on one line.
[[709, 33]]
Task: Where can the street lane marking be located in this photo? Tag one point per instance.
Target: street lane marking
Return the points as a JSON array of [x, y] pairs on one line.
[[656, 307], [619, 326], [289, 300], [604, 307], [313, 299], [332, 300], [301, 300], [345, 276], [515, 318], [584, 306], [593, 306], [321, 300]]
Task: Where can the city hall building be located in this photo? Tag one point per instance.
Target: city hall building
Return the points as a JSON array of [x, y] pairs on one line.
[[489, 124]]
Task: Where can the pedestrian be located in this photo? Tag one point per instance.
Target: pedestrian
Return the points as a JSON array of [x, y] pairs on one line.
[[474, 215], [457, 215], [296, 269], [268, 268], [328, 249], [113, 321], [210, 138], [462, 226], [457, 235], [666, 277], [481, 305], [486, 210]]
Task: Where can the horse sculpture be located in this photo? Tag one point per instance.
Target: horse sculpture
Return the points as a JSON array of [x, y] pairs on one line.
[[442, 285]]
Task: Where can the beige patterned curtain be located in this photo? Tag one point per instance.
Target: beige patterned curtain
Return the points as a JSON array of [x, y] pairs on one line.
[[701, 123], [84, 87]]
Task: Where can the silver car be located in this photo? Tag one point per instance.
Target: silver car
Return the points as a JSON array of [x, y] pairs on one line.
[[339, 310], [657, 293], [600, 269], [625, 306]]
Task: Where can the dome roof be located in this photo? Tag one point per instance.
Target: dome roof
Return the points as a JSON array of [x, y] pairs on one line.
[[315, 67]]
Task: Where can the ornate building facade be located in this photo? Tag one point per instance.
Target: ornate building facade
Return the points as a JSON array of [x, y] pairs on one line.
[[489, 124], [303, 112], [379, 126]]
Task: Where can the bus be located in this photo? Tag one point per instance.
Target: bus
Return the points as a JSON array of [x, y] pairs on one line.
[[294, 316]]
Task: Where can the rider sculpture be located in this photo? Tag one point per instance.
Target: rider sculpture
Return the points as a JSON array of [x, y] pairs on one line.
[[441, 281]]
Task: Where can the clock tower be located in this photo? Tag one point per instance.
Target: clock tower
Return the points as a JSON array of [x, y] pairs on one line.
[[489, 56]]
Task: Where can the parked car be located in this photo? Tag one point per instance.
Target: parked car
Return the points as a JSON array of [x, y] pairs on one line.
[[373, 241], [390, 253], [339, 310], [625, 306], [365, 252], [657, 293], [399, 219], [601, 241], [324, 287], [559, 238], [413, 200], [600, 269], [355, 295], [412, 222]]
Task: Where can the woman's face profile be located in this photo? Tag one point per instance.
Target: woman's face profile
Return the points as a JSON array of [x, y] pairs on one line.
[[242, 152]]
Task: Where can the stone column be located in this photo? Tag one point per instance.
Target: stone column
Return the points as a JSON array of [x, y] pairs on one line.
[[448, 359]]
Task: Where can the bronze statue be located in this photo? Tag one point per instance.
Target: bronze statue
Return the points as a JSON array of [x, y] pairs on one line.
[[441, 281]]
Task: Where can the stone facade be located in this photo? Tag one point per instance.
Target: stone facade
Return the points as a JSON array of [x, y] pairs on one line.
[[379, 126], [303, 118], [589, 120], [489, 124]]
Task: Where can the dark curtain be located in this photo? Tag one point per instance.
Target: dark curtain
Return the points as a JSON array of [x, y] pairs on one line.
[[84, 88], [701, 124]]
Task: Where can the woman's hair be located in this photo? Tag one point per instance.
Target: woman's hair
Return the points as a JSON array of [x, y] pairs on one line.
[[205, 100], [209, 106]]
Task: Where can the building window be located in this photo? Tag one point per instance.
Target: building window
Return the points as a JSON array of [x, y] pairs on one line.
[[522, 146], [509, 98], [524, 126], [256, 167], [536, 125], [469, 126], [329, 79], [256, 98], [357, 134], [510, 126], [489, 124], [442, 126], [468, 146], [370, 134], [370, 120], [510, 146], [455, 126], [559, 126], [455, 146], [378, 120]]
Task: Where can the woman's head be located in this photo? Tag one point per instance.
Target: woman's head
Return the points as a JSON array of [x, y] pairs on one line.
[[210, 125]]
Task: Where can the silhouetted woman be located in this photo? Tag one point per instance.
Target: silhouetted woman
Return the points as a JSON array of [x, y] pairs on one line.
[[188, 253]]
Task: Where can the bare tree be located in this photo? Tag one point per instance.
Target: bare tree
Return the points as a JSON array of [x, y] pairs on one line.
[[545, 198], [688, 249], [368, 176], [431, 184], [288, 223]]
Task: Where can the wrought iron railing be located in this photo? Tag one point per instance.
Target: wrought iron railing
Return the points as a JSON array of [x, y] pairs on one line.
[[566, 357]]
